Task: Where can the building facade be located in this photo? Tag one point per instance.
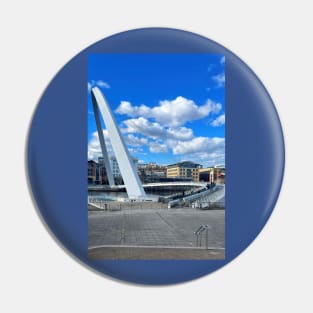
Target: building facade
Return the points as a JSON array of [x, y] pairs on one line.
[[97, 173], [151, 173], [102, 173], [185, 169], [214, 174], [115, 168], [92, 172], [205, 174], [219, 174]]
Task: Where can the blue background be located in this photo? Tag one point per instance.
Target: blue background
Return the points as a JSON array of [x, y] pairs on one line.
[[57, 155]]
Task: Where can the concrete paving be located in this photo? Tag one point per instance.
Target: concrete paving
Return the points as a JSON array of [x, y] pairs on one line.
[[161, 229], [148, 253]]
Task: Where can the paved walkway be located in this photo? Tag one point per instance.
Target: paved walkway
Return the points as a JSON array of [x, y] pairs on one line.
[[148, 253], [155, 228]]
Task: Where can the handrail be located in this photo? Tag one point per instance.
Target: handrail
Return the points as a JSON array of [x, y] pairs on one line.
[[198, 234]]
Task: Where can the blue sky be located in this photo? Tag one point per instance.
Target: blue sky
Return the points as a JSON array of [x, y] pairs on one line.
[[169, 107]]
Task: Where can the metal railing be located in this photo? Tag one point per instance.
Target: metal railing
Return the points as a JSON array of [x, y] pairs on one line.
[[184, 201], [119, 206], [207, 205], [199, 234]]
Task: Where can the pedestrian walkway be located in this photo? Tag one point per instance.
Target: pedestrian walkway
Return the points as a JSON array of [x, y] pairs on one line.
[[154, 228]]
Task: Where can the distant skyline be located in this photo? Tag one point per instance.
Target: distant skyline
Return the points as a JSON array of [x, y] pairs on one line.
[[169, 107]]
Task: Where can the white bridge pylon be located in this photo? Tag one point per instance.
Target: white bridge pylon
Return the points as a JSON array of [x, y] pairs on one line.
[[126, 165]]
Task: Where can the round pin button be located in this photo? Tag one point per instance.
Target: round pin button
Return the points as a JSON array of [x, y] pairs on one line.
[[155, 156]]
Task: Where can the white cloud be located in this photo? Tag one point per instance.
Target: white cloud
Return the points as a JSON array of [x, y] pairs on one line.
[[156, 147], [135, 141], [208, 159], [222, 60], [205, 159], [181, 110], [136, 150], [156, 131], [204, 150], [144, 127], [166, 133], [219, 121], [100, 83], [219, 80], [198, 145], [171, 113], [125, 107], [179, 133], [94, 149]]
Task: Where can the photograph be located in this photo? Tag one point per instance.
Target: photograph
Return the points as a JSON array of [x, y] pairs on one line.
[[156, 156]]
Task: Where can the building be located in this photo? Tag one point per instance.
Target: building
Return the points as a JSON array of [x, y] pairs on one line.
[[97, 172], [219, 174], [149, 165], [115, 168], [214, 174], [101, 172], [185, 169], [151, 173], [205, 174], [92, 172]]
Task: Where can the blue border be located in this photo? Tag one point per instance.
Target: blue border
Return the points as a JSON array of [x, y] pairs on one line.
[[57, 158]]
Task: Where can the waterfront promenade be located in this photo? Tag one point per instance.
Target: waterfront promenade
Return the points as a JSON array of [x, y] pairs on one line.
[[155, 234]]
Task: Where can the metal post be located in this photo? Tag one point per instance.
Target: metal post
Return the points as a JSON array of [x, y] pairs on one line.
[[207, 236]]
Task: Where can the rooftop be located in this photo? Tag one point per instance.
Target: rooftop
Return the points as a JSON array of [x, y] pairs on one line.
[[186, 164]]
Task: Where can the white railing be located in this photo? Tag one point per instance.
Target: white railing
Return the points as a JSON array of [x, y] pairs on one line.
[[180, 183], [118, 206]]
